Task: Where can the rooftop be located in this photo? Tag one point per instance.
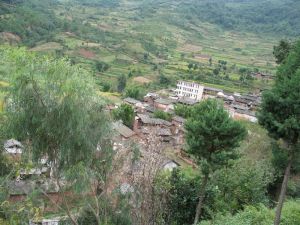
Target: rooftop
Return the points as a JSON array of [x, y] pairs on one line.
[[153, 121], [123, 130], [165, 101], [212, 89], [131, 101], [178, 119]]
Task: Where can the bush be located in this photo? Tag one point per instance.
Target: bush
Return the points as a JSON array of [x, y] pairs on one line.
[[260, 215], [125, 113], [135, 92], [162, 115]]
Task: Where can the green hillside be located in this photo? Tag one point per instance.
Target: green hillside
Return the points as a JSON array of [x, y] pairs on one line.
[[150, 38]]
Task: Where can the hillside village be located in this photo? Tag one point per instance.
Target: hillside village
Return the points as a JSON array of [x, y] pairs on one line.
[[169, 134], [149, 112]]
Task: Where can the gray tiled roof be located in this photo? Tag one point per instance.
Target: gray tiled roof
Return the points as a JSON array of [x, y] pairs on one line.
[[153, 121], [123, 130]]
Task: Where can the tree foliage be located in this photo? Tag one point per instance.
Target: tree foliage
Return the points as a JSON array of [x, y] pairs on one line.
[[183, 110], [212, 135], [162, 115], [121, 83], [53, 106], [125, 113], [280, 114], [259, 215]]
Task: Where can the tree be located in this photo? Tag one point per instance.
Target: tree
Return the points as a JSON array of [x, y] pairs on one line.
[[282, 50], [101, 66], [125, 113], [183, 110], [163, 80], [190, 66], [216, 71], [162, 115], [260, 215], [210, 61], [212, 137], [280, 114], [182, 197], [121, 83], [52, 107], [135, 92]]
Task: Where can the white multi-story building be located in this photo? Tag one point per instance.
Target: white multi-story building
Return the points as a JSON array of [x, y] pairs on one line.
[[191, 90]]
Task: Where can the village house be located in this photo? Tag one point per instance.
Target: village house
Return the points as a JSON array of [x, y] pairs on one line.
[[150, 98], [19, 189], [187, 101], [210, 92], [164, 133], [146, 120], [123, 131], [188, 89], [170, 165], [163, 104], [136, 104], [13, 147]]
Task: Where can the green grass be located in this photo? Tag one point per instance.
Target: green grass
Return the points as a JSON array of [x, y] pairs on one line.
[[128, 35]]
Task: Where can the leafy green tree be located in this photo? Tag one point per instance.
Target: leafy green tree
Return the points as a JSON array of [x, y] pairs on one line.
[[282, 50], [52, 107], [162, 115], [212, 137], [183, 110], [216, 71], [190, 66], [45, 103], [244, 183], [182, 198], [259, 215], [106, 86], [135, 92], [101, 66], [280, 114], [125, 113], [164, 80], [210, 61], [121, 83]]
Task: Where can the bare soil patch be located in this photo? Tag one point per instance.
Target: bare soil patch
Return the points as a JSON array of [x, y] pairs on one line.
[[7, 36], [47, 47], [87, 54], [190, 48], [142, 80]]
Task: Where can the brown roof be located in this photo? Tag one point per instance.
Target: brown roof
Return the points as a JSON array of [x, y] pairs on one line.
[[153, 121], [178, 119], [123, 130], [164, 101]]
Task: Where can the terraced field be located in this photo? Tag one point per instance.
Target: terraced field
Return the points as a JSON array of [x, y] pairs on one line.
[[145, 40]]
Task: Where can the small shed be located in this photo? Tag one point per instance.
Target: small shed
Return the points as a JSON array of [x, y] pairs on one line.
[[13, 146]]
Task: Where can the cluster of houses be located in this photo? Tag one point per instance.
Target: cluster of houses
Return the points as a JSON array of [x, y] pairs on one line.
[[241, 107], [171, 133]]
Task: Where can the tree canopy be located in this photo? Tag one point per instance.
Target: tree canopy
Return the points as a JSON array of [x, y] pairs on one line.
[[52, 106]]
